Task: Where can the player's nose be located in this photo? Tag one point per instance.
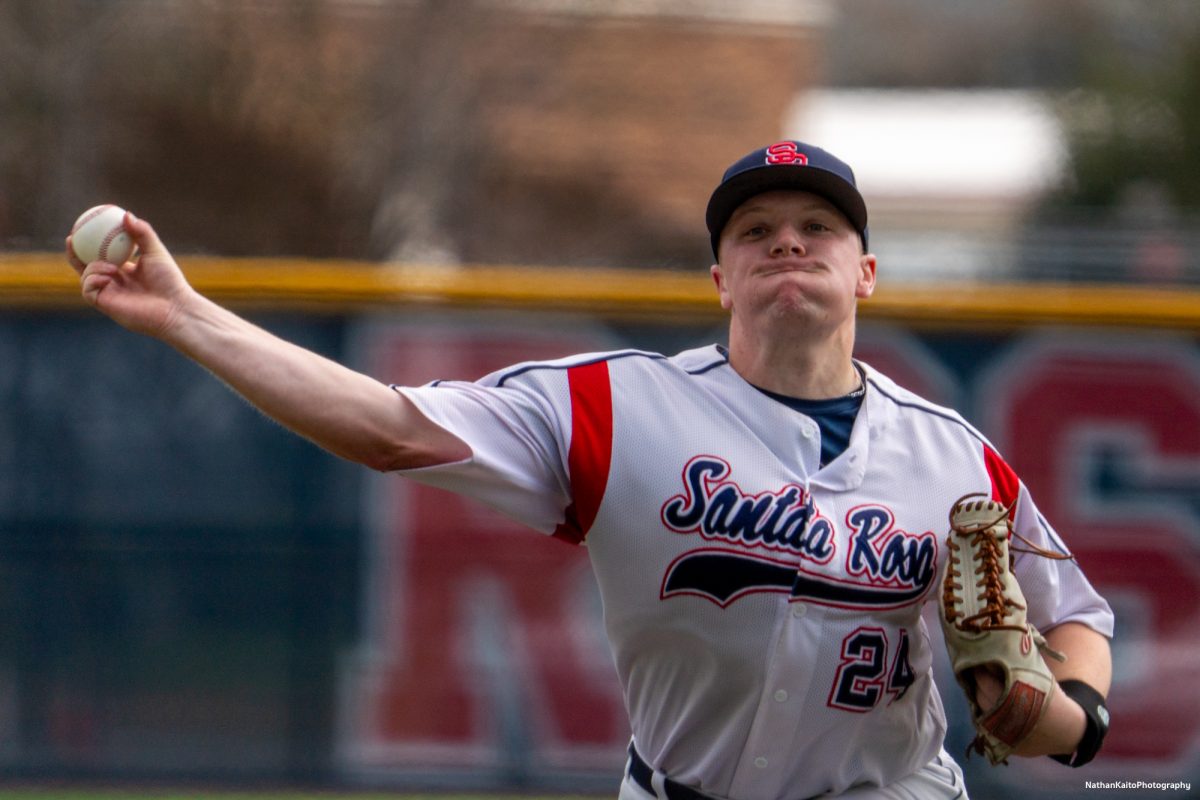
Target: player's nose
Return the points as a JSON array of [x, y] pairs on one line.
[[787, 242]]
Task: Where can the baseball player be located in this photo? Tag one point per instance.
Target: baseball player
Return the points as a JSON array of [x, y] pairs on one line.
[[765, 520]]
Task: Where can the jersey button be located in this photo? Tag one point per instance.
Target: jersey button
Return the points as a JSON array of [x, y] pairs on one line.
[[760, 762], [798, 610], [781, 696]]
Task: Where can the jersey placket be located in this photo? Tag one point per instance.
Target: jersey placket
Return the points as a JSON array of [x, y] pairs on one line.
[[798, 634], [771, 745]]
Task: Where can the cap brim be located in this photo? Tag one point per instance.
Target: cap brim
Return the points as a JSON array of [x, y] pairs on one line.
[[740, 188]]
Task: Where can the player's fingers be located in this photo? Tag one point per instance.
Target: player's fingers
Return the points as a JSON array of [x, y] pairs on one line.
[[143, 235], [989, 685], [101, 269], [93, 284], [98, 276]]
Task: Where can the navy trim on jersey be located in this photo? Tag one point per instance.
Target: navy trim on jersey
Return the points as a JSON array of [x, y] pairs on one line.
[[606, 357], [517, 372], [611, 357], [927, 410], [1052, 535], [721, 362]]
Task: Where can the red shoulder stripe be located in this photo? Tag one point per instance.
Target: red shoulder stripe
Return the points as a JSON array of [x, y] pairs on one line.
[[590, 455], [1005, 484]]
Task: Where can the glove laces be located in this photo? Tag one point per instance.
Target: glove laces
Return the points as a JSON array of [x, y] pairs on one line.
[[988, 557]]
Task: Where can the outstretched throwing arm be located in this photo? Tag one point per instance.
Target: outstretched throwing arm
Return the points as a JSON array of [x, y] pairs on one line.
[[345, 412]]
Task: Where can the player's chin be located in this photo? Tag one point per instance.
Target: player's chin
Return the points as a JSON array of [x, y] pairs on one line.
[[796, 310], [799, 294], [809, 313]]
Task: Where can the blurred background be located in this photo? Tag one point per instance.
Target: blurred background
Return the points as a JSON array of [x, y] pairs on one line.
[[428, 189]]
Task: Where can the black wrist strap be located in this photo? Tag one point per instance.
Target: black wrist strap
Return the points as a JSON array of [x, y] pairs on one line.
[[1092, 703]]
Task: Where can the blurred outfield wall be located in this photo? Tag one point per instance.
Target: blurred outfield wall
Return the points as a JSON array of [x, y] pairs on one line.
[[187, 592]]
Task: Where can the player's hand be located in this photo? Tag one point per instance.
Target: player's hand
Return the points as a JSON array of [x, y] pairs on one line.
[[145, 294], [989, 686]]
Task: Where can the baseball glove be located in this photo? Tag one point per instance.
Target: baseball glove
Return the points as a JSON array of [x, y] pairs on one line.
[[983, 619]]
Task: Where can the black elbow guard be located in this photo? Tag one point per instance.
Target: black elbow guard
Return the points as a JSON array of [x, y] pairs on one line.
[[1092, 703]]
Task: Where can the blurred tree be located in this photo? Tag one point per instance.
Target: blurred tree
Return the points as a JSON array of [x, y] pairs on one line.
[[46, 104], [310, 127], [214, 115], [1018, 44], [1126, 204], [1133, 125], [421, 130], [424, 88], [227, 124], [952, 44], [1130, 71]]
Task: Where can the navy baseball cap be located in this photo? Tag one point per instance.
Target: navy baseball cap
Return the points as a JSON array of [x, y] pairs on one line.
[[787, 165]]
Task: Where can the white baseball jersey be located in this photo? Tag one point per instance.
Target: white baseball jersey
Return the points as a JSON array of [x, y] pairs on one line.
[[764, 613]]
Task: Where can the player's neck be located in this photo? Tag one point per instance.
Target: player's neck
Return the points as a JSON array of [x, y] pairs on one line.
[[804, 369]]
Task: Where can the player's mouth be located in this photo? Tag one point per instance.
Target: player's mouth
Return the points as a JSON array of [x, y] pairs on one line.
[[777, 268]]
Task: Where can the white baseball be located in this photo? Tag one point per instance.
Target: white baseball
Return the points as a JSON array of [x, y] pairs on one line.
[[99, 235]]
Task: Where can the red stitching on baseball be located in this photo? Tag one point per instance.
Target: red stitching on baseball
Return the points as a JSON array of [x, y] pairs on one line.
[[89, 216], [108, 239]]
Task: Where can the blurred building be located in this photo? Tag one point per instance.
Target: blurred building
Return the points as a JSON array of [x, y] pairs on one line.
[[604, 126], [949, 176], [959, 181]]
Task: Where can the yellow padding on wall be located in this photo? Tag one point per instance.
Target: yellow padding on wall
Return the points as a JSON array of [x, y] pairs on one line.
[[43, 280]]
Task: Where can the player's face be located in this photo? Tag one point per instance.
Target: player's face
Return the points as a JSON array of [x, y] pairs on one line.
[[792, 254]]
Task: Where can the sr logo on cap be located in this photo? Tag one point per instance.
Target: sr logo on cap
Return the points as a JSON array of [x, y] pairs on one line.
[[786, 153]]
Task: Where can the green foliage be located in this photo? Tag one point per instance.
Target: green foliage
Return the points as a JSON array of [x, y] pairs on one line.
[[1134, 124]]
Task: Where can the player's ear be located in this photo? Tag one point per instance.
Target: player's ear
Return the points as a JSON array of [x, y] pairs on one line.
[[722, 290], [866, 276]]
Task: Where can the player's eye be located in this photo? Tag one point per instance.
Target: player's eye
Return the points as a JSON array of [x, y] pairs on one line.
[[755, 230]]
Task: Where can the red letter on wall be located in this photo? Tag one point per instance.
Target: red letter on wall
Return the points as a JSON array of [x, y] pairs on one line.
[[1107, 437]]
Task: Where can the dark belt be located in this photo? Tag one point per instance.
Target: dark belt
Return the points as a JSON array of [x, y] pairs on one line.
[[641, 773]]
